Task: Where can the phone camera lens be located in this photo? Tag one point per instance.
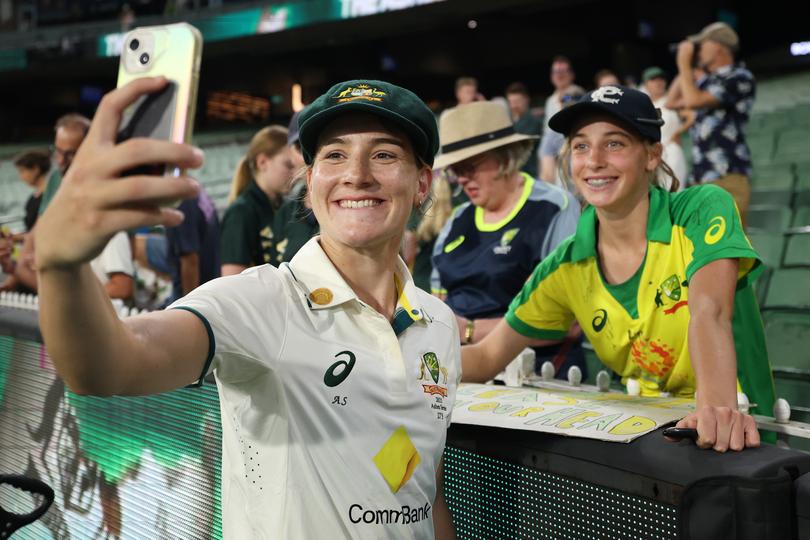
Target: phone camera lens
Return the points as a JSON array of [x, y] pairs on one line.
[[134, 44], [144, 58]]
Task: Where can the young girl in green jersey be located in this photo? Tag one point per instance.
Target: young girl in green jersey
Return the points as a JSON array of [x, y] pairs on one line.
[[660, 282]]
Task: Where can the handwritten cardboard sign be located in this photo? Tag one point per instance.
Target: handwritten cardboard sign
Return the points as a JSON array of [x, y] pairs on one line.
[[607, 416]]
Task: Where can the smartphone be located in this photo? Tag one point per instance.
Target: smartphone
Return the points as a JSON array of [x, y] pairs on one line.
[[173, 51]]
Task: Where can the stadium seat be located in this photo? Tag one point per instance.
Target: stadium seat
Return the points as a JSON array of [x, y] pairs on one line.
[[762, 145], [788, 288], [768, 245], [801, 218], [786, 334], [772, 218], [792, 143], [772, 184], [802, 188], [797, 247]]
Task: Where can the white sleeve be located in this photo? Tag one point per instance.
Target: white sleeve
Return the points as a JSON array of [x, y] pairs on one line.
[[246, 320], [117, 256]]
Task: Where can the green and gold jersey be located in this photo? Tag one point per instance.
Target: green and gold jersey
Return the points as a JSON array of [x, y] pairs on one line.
[[639, 328]]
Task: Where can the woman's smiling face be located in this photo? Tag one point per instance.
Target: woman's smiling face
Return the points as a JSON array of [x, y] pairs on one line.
[[365, 181]]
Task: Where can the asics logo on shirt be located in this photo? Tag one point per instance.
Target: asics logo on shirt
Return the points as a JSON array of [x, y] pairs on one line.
[[331, 378], [600, 320], [716, 230]]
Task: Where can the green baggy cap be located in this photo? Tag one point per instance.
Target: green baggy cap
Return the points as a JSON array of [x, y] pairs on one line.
[[380, 98]]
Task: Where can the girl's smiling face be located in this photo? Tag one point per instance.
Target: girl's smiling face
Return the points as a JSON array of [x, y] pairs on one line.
[[610, 165]]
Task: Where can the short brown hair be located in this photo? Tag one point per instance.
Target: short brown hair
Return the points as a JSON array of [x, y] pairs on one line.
[[517, 88], [73, 122], [603, 73], [466, 81], [36, 158], [562, 59]]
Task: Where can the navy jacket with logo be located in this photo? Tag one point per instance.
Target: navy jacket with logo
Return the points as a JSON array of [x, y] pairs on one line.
[[482, 266]]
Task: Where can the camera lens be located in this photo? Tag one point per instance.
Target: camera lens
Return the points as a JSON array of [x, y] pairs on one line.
[[134, 44], [144, 58]]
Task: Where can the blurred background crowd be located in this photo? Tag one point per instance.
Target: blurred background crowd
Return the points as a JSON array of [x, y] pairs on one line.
[[263, 61]]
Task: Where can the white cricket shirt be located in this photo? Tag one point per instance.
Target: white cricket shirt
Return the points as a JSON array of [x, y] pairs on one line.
[[333, 418]]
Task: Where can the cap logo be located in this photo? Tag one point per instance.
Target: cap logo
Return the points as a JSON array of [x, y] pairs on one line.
[[602, 94], [360, 91]]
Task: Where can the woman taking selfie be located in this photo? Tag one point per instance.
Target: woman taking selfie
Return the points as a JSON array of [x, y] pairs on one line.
[[336, 375], [660, 282]]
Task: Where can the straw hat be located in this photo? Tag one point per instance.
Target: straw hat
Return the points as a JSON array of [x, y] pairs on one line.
[[474, 128]]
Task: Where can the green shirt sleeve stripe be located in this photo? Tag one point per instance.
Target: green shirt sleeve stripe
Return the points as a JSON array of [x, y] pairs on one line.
[[212, 344], [730, 252], [529, 331]]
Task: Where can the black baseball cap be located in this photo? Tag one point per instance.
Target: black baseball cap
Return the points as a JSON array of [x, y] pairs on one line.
[[632, 107], [380, 98]]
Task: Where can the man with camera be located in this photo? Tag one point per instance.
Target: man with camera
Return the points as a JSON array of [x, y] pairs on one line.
[[722, 101]]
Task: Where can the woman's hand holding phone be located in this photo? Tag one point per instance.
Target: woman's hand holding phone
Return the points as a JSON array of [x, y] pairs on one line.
[[94, 201]]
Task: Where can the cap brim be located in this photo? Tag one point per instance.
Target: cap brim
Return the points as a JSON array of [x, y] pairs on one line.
[[451, 158], [563, 122], [309, 131], [696, 38]]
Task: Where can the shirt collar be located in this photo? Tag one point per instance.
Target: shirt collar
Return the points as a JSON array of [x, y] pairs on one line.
[[327, 289], [659, 226]]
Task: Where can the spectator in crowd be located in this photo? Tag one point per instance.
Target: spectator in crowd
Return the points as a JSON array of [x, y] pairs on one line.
[[261, 180], [467, 91], [296, 158], [491, 244], [562, 76], [654, 80], [525, 122], [605, 77], [193, 246], [553, 141], [32, 168], [69, 132], [722, 101], [295, 223], [426, 229], [271, 336], [660, 282], [115, 268]]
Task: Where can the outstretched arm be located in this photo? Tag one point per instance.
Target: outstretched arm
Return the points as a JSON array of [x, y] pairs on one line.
[[482, 361], [92, 349]]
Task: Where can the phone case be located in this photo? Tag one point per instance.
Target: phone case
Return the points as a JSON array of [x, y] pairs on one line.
[[173, 51]]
